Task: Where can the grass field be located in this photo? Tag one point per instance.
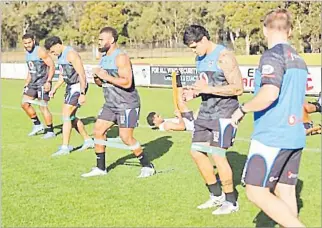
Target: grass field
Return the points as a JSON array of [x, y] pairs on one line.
[[186, 58], [41, 191]]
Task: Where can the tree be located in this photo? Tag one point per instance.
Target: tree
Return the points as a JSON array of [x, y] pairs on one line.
[[36, 18], [158, 23], [143, 27], [70, 30], [97, 15], [307, 25], [246, 18]]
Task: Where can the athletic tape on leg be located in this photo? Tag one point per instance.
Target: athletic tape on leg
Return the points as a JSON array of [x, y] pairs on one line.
[[35, 102], [117, 143], [208, 149], [68, 118], [135, 146], [117, 140], [112, 144]]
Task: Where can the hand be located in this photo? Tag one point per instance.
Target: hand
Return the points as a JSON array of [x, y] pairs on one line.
[[81, 99], [201, 86], [47, 86], [25, 88], [52, 93], [236, 117], [188, 94], [96, 71]]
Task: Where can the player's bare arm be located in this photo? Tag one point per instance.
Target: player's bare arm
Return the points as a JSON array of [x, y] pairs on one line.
[[77, 63], [271, 72], [267, 94], [169, 126], [189, 93], [124, 71], [228, 63], [43, 54], [28, 79], [271, 79], [57, 85]]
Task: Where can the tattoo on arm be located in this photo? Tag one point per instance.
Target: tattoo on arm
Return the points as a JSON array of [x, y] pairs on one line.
[[228, 63]]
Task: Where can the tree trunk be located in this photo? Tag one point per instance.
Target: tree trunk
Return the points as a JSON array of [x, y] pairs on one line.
[[25, 26], [165, 37], [170, 37], [170, 42], [237, 33], [247, 46], [231, 35], [315, 44], [175, 26], [176, 39]]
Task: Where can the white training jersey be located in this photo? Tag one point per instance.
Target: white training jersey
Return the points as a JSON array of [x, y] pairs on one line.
[[189, 124]]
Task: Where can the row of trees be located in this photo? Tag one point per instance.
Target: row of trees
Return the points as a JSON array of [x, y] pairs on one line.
[[158, 24]]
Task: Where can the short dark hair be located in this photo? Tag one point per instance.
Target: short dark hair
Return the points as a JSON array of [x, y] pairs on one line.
[[194, 33], [112, 31], [279, 19], [28, 36], [150, 118], [51, 41]]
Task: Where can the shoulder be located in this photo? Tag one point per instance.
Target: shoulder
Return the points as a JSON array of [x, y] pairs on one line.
[[72, 55], [227, 60], [276, 53], [226, 55], [122, 59], [42, 53]]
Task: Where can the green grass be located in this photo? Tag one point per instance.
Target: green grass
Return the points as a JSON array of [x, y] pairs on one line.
[[186, 59], [40, 191]]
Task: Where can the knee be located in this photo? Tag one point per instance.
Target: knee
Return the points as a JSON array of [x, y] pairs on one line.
[[306, 107], [127, 139], [25, 105], [98, 132], [250, 196], [44, 110], [196, 154], [285, 191], [67, 118]]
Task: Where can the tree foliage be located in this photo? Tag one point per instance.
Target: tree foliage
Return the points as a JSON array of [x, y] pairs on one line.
[[158, 24]]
